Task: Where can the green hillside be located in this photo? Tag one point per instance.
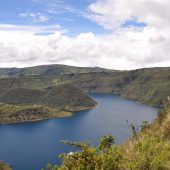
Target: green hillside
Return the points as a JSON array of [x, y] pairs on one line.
[[64, 96], [150, 85]]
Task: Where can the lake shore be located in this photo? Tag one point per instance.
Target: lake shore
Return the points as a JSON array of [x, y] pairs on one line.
[[61, 114]]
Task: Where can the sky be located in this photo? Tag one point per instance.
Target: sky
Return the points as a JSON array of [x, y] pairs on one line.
[[115, 34]]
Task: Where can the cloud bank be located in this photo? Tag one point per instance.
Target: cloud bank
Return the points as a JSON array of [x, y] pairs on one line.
[[123, 48]]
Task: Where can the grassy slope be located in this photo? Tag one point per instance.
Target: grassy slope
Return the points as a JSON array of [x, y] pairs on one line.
[[149, 86]]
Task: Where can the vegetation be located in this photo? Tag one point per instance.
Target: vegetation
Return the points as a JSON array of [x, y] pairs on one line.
[[150, 85], [22, 113], [146, 150], [4, 166], [20, 105], [64, 96]]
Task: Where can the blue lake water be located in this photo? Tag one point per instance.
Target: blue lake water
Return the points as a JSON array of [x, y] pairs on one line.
[[29, 146]]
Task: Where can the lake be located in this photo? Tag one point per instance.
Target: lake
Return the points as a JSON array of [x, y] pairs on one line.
[[29, 146]]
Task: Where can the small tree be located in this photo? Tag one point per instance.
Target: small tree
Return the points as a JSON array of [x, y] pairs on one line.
[[106, 142]]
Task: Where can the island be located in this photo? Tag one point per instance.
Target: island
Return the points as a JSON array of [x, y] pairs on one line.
[[21, 105]]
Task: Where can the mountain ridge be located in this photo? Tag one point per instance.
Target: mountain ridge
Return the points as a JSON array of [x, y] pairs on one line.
[[48, 70], [148, 85]]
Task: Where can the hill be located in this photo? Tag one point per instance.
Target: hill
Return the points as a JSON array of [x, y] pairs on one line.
[[64, 96], [150, 86], [67, 97], [46, 70]]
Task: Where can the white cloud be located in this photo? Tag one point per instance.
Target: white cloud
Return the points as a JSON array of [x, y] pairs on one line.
[[35, 17], [56, 6], [112, 13], [124, 48]]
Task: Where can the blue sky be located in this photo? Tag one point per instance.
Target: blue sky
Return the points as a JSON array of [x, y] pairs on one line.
[[69, 14]]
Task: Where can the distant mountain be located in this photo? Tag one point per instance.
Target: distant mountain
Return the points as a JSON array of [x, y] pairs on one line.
[[150, 85], [49, 70]]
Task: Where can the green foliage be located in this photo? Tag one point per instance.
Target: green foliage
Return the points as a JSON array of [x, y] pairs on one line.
[[50, 167], [90, 158], [106, 142]]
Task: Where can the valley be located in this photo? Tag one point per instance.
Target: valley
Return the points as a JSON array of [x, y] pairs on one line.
[[60, 91]]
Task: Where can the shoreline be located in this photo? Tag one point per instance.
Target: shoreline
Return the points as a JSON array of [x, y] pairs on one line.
[[69, 114], [36, 120]]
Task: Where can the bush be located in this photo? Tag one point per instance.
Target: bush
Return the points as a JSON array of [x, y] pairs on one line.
[[161, 115]]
